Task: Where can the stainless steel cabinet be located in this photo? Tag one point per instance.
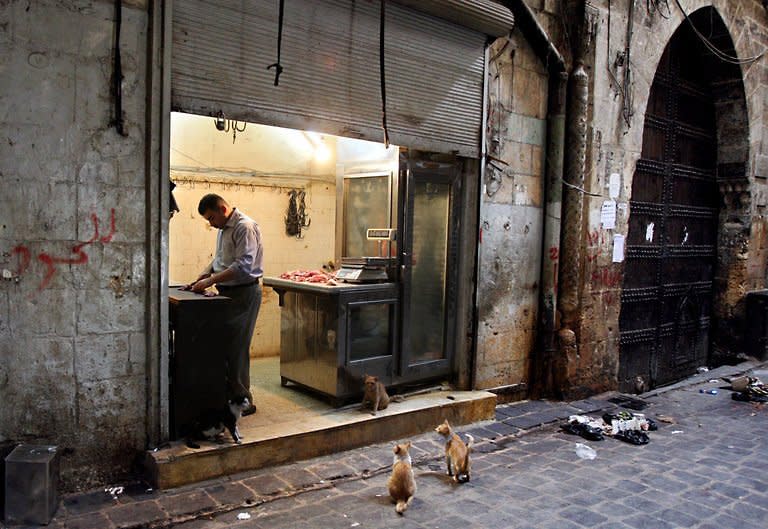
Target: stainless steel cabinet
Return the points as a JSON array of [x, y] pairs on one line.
[[330, 336]]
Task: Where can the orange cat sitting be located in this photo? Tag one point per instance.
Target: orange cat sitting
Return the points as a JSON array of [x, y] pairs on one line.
[[456, 453], [402, 484]]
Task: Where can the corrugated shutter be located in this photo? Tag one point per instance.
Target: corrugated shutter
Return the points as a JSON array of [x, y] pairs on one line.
[[485, 16], [434, 70]]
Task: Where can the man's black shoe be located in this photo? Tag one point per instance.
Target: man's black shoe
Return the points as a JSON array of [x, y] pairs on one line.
[[250, 410]]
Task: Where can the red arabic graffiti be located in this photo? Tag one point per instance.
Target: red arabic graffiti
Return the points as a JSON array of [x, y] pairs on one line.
[[51, 261], [26, 257], [606, 277], [596, 242], [596, 236], [554, 255], [609, 279]]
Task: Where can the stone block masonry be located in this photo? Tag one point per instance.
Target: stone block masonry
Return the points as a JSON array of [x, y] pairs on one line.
[[73, 235]]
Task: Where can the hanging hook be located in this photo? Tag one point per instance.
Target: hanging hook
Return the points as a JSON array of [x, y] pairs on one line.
[[236, 129]]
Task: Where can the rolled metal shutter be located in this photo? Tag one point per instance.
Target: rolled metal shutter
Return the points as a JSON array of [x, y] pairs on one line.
[[485, 16], [330, 52]]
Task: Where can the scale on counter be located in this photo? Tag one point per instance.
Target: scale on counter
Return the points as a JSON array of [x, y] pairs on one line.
[[364, 269], [380, 234], [369, 269]]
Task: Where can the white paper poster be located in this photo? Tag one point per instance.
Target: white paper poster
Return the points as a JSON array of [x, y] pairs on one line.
[[649, 232], [614, 185], [618, 248], [608, 214]]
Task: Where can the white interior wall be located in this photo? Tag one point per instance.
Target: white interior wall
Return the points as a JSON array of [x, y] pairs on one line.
[[255, 174]]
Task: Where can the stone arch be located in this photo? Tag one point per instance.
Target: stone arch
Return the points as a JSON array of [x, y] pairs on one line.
[[738, 32]]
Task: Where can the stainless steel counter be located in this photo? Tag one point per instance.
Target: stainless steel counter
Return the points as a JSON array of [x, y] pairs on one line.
[[331, 335], [322, 288]]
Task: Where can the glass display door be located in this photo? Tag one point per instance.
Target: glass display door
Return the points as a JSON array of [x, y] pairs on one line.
[[409, 339], [428, 250]]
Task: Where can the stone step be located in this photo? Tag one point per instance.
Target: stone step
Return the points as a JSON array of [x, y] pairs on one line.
[[308, 437]]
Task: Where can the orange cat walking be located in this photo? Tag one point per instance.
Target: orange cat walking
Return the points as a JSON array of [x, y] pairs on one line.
[[402, 484], [456, 453]]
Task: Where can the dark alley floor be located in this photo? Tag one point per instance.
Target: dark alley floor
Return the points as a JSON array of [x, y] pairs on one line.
[[708, 469]]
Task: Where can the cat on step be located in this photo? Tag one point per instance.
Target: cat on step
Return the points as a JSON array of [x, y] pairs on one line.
[[210, 424], [375, 395]]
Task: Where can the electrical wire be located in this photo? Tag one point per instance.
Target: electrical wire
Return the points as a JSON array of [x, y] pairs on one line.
[[654, 6], [579, 189], [723, 56], [627, 83], [276, 65], [381, 74], [608, 54], [117, 78]]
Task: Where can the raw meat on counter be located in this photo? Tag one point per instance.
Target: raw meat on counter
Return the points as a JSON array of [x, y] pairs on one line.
[[309, 276]]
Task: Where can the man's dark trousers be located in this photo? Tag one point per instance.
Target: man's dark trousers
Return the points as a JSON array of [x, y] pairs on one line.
[[242, 312]]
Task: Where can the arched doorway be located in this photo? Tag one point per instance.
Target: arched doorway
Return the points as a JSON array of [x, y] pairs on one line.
[[672, 256]]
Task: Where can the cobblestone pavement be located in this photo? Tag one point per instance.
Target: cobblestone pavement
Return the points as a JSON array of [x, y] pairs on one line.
[[708, 469]]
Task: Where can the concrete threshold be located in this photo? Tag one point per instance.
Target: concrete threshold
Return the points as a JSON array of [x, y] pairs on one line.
[[321, 434]]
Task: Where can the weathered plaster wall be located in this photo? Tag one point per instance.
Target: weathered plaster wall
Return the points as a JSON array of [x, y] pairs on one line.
[[511, 215], [72, 234], [615, 147]]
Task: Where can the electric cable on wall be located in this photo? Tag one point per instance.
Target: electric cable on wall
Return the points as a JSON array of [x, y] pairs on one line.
[[117, 75], [723, 56]]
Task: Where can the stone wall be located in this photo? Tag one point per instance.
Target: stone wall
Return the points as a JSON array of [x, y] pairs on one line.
[[511, 215], [74, 223], [73, 234], [615, 147]]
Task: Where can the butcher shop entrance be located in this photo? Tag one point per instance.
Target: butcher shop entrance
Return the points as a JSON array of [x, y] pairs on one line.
[[364, 242], [360, 252], [364, 281]]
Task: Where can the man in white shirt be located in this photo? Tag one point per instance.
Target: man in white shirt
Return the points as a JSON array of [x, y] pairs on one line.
[[236, 270]]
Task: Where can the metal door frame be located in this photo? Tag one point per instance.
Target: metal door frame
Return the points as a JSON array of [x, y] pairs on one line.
[[415, 165]]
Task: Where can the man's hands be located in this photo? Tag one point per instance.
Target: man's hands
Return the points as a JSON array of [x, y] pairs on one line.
[[208, 280], [200, 284]]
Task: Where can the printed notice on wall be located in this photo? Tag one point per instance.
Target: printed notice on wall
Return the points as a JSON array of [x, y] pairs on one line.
[[614, 185], [618, 248], [608, 214]]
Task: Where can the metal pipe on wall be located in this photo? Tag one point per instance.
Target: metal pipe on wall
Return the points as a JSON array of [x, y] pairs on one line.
[[547, 350], [157, 166], [573, 195], [571, 239], [546, 353]]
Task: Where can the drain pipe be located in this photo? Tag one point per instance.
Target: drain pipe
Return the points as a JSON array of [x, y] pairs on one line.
[[572, 232], [546, 354], [573, 185], [542, 374]]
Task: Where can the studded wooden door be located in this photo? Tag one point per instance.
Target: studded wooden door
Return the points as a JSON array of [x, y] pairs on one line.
[[672, 239]]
